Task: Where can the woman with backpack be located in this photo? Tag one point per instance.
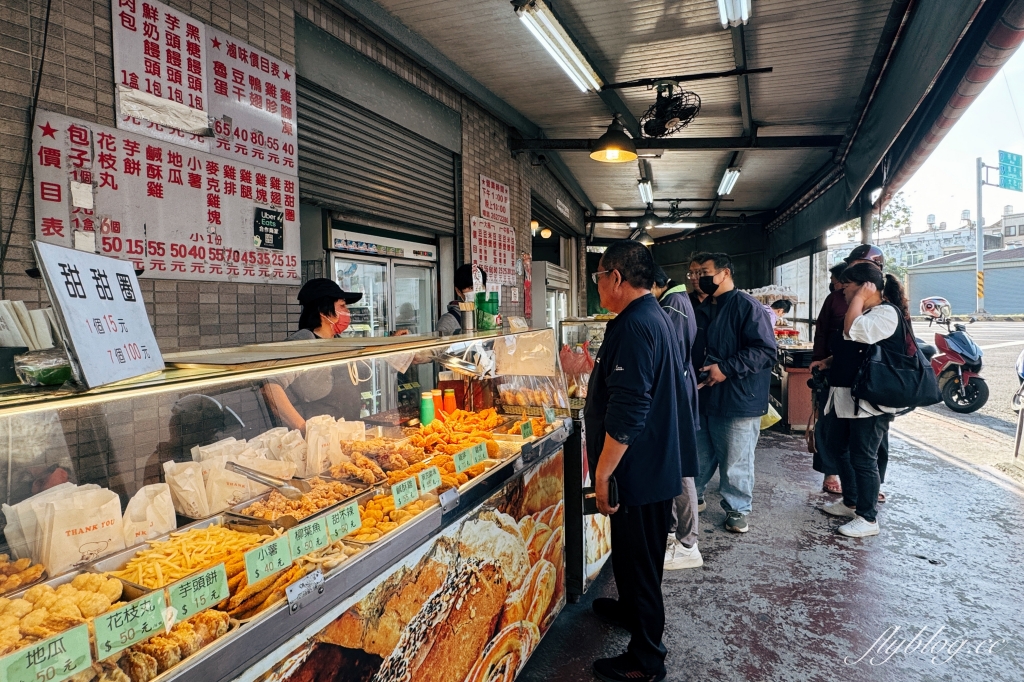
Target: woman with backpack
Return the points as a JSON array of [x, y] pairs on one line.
[[877, 315]]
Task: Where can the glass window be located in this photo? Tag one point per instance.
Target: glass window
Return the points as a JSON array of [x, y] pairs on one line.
[[1010, 231]]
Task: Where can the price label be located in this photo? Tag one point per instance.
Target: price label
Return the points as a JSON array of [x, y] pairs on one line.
[[430, 479], [130, 624], [405, 492], [56, 658], [198, 592], [469, 457], [309, 537], [549, 415], [267, 559], [479, 452], [527, 429], [344, 521]]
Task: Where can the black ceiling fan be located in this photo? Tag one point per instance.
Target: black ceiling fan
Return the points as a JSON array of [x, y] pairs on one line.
[[672, 111]]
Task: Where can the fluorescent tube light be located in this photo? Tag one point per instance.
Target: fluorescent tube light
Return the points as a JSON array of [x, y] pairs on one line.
[[729, 179], [646, 192], [685, 226], [733, 12], [542, 23]]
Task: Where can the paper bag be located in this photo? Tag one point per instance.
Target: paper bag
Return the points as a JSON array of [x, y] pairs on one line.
[[82, 528], [271, 467], [23, 521], [204, 452], [226, 489], [188, 491], [150, 513], [291, 448], [318, 444]]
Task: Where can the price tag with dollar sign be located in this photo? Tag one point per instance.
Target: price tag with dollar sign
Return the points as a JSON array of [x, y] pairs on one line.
[[430, 479], [343, 521], [56, 658], [130, 624], [527, 429], [549, 415], [198, 592], [267, 559], [309, 537], [404, 492]]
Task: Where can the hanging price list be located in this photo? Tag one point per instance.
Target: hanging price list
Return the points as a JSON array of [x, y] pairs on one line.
[[430, 479], [130, 624], [56, 658], [309, 537], [404, 492], [199, 592], [267, 559], [344, 521]]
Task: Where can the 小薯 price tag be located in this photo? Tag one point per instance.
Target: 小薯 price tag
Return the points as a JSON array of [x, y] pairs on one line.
[[308, 537], [404, 492], [343, 521], [130, 624], [198, 592], [56, 658], [267, 559], [430, 479]]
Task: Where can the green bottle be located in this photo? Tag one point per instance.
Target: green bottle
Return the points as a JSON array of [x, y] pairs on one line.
[[426, 408]]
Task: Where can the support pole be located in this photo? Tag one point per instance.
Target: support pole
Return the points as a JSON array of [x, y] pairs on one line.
[[980, 255], [866, 210]]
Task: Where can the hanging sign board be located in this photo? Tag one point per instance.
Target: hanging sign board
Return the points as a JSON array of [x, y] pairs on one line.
[[494, 249], [1011, 171], [100, 309], [494, 201], [175, 213]]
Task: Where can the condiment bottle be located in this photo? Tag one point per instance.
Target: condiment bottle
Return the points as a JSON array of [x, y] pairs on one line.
[[449, 400], [438, 401], [426, 408]]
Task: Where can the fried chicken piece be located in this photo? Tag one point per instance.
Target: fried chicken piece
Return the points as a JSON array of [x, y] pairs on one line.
[[349, 469], [12, 583], [392, 461], [210, 625], [140, 667], [186, 637], [364, 462], [163, 649], [31, 574]]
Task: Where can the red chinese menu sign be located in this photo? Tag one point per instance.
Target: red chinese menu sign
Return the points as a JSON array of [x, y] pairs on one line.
[[175, 212], [494, 201], [494, 249]]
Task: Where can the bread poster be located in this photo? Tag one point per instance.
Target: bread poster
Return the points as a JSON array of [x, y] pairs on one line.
[[470, 605]]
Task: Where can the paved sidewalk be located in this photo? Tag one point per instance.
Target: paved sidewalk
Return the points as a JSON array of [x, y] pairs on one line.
[[793, 600]]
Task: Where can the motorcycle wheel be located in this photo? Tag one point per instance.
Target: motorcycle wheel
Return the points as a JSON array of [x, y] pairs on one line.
[[974, 395]]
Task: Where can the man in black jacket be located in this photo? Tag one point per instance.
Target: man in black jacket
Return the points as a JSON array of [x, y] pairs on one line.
[[739, 352], [639, 428]]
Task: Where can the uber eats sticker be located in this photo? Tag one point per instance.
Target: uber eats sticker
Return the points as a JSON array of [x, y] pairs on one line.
[[268, 229]]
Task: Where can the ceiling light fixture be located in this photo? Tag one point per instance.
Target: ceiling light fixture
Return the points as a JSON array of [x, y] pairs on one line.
[[544, 26], [615, 146], [733, 12], [650, 219], [534, 226], [646, 239], [684, 226], [729, 179], [545, 233], [646, 191]]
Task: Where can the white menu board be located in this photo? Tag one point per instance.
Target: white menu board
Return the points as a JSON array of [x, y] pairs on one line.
[[494, 201], [494, 249], [252, 102], [174, 212], [102, 313]]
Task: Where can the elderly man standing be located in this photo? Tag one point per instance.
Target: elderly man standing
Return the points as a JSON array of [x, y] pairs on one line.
[[639, 429]]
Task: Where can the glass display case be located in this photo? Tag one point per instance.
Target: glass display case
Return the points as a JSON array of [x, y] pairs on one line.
[[394, 455]]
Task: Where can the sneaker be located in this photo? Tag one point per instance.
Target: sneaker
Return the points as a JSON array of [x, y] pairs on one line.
[[736, 522], [859, 528], [678, 556], [839, 509], [625, 668], [609, 611], [701, 505]]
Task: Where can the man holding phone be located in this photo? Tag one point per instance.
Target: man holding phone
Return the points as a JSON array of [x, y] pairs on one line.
[[641, 444]]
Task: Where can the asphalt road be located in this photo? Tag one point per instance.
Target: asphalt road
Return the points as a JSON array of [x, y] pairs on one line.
[[1002, 342]]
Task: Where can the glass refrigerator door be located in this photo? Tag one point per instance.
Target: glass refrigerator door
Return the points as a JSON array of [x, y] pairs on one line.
[[370, 278], [414, 298]]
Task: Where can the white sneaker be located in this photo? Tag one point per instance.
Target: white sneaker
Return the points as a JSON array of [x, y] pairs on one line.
[[677, 556], [859, 528], [839, 509]]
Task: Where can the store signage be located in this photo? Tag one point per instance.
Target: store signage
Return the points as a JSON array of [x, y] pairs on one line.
[[494, 249], [130, 624], [175, 213], [198, 592], [405, 492], [563, 208], [344, 521], [308, 537], [268, 229], [252, 104], [100, 307], [1011, 171], [267, 559], [430, 479], [56, 658], [494, 201]]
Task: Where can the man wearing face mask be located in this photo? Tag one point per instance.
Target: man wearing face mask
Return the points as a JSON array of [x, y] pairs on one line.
[[451, 322], [735, 377]]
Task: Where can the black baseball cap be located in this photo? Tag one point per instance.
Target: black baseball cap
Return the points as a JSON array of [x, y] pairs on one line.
[[321, 287]]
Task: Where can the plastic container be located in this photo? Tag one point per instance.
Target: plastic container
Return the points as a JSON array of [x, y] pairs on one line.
[[449, 400], [426, 408], [435, 395]]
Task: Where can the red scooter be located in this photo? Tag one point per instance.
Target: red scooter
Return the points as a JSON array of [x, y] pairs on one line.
[[955, 359]]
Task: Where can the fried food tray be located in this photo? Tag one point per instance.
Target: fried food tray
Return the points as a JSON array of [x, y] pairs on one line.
[[236, 512]]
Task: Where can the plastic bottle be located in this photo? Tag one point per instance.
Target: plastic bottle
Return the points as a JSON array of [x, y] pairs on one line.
[[435, 395], [426, 408], [449, 400]]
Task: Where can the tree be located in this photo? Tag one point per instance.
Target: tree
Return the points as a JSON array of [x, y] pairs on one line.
[[895, 216]]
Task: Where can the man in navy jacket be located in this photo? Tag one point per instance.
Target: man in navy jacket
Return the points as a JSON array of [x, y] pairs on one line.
[[640, 429], [739, 353]]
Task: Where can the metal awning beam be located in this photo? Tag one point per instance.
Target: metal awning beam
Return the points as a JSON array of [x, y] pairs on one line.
[[702, 220], [688, 143]]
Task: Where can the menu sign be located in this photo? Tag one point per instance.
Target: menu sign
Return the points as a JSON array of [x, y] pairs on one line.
[[494, 249], [132, 623], [494, 200], [56, 658], [173, 212]]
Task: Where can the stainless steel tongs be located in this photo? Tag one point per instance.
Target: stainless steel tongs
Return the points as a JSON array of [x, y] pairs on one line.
[[292, 489]]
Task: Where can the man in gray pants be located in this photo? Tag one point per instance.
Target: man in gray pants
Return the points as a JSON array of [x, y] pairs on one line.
[[681, 551]]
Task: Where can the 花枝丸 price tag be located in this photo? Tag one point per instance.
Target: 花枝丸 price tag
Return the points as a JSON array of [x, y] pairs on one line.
[[56, 658], [345, 520], [198, 592], [549, 415], [308, 537], [130, 624], [405, 492], [267, 559], [430, 479]]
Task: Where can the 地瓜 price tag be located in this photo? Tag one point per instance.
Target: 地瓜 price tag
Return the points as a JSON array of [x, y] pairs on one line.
[[267, 559], [198, 592], [308, 537], [130, 624], [343, 521], [430, 479], [56, 658], [405, 492], [549, 415], [526, 428]]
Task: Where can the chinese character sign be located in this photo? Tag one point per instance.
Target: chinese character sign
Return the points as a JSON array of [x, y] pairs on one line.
[[252, 102], [102, 312], [494, 201], [174, 212], [494, 249], [159, 65]]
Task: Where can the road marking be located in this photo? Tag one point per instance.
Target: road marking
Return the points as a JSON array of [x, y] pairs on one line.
[[1002, 345]]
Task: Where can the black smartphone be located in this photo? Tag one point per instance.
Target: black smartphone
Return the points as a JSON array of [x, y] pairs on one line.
[[590, 498], [702, 375]]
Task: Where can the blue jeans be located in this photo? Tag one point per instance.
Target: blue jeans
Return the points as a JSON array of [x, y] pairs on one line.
[[727, 444]]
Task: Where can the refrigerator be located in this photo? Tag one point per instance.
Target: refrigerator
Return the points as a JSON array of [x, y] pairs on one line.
[[550, 295]]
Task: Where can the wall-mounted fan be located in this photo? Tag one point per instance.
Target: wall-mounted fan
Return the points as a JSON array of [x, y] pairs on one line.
[[672, 111]]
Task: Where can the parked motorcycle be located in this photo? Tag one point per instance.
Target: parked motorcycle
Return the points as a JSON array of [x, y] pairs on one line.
[[955, 359], [1017, 401]]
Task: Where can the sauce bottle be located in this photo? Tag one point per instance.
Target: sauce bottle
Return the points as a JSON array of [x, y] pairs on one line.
[[438, 401], [449, 400], [426, 408]]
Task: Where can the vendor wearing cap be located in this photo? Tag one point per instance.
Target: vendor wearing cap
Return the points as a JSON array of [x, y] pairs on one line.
[[294, 398]]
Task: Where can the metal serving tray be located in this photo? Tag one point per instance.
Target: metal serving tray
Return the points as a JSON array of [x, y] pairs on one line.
[[235, 512]]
